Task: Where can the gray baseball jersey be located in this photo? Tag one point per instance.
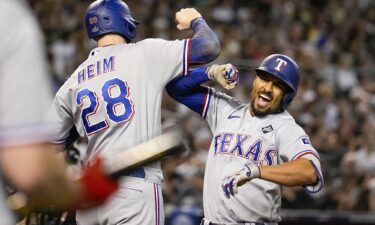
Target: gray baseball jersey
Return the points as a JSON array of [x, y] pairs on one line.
[[114, 100], [24, 82], [240, 138], [114, 97]]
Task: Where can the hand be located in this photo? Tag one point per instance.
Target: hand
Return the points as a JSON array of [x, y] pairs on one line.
[[185, 16], [231, 183], [96, 186], [226, 75]]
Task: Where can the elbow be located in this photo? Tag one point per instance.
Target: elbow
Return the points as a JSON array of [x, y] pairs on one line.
[[172, 90], [213, 49], [311, 177], [204, 50]]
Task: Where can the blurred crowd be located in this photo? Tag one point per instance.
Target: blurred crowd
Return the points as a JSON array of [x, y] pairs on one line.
[[333, 42]]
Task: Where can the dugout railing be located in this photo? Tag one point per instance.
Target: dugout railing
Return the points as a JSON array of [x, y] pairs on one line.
[[326, 217]]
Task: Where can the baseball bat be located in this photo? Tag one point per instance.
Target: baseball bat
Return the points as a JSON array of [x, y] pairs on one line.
[[155, 149], [169, 143]]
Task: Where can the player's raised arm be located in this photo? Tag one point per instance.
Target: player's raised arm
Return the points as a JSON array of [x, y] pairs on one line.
[[187, 89], [205, 45]]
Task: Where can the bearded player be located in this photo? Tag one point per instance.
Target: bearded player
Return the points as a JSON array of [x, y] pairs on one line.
[[114, 100], [256, 147]]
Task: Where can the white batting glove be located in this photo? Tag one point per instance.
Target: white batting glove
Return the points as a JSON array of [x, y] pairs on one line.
[[185, 16], [231, 183], [226, 75]]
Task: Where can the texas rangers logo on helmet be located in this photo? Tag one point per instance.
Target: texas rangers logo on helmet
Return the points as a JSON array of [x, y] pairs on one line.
[[281, 64]]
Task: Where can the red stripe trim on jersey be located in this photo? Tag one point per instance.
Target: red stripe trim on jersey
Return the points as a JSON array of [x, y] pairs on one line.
[[183, 59], [186, 57], [206, 103], [156, 199], [299, 155]]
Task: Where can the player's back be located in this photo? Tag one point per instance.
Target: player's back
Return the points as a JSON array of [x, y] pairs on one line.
[[114, 97]]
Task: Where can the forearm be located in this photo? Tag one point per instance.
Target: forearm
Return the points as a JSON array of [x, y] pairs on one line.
[[205, 45], [184, 85], [56, 191], [187, 90], [33, 158], [39, 174], [46, 182], [294, 173]]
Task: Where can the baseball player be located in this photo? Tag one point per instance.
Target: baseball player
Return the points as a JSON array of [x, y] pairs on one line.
[[26, 161], [256, 147], [114, 100]]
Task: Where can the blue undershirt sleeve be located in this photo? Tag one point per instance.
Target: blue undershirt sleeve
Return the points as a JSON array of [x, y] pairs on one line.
[[188, 90]]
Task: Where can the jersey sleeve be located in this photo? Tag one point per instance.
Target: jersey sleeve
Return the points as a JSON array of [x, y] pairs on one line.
[[216, 107], [61, 117], [25, 84], [165, 60], [293, 143]]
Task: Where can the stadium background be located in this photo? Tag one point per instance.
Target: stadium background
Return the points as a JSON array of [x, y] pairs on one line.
[[334, 43]]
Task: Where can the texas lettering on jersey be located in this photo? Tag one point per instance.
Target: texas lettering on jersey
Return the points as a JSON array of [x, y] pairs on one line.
[[240, 145]]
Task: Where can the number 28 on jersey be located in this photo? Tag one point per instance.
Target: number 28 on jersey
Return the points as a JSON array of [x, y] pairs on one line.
[[114, 96]]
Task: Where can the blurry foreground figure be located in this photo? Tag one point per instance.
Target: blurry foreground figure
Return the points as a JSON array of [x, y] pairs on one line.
[[27, 161]]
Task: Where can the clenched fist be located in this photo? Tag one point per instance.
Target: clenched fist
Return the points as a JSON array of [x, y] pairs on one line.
[[226, 75], [231, 183], [185, 16]]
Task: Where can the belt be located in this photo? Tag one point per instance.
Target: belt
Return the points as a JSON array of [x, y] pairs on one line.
[[248, 223], [207, 222], [140, 173]]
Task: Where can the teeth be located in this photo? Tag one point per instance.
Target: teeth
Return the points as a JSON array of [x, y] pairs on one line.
[[265, 97]]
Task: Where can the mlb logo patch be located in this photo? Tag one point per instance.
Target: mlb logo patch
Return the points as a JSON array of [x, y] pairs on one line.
[[267, 129], [306, 141]]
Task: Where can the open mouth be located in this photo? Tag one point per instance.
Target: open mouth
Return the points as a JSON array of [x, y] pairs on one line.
[[264, 99]]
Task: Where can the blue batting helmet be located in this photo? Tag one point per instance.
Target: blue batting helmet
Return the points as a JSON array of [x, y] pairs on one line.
[[287, 70], [110, 16]]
